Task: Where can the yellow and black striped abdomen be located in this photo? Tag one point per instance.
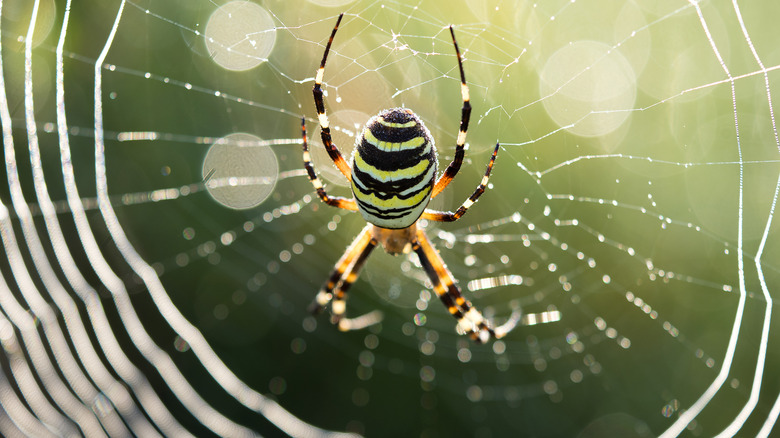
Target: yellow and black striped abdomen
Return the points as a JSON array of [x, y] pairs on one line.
[[393, 169]]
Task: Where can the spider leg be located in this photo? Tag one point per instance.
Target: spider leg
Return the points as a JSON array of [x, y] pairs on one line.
[[333, 151], [448, 216], [335, 201], [465, 114], [339, 304], [344, 274], [470, 320]]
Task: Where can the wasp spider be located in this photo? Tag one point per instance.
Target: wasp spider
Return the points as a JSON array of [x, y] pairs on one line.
[[392, 177]]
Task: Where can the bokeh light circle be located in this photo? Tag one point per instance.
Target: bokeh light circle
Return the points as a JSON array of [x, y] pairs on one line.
[[240, 35], [332, 3], [239, 171], [587, 87]]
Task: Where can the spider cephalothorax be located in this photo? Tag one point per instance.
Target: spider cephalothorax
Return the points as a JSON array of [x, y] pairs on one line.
[[393, 177]]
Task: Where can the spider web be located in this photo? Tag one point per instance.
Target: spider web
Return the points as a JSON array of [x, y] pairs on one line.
[[162, 241]]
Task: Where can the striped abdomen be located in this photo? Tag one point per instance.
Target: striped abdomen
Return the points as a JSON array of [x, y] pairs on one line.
[[393, 169]]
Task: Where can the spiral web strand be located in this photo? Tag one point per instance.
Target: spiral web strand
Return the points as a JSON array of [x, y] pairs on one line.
[[160, 290]]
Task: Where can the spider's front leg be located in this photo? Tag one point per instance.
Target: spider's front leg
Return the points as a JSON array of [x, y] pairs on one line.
[[334, 201], [346, 271], [448, 216], [470, 320], [465, 115], [319, 103]]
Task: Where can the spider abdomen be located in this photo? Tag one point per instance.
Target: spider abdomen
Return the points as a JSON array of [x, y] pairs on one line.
[[393, 169]]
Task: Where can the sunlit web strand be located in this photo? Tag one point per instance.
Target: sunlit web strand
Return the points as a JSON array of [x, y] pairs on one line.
[[467, 235], [730, 79], [773, 414], [156, 410], [15, 419], [75, 409], [771, 419], [663, 220], [653, 271], [157, 195], [763, 69], [681, 293], [43, 414], [20, 370], [605, 330], [123, 403], [630, 251], [755, 390], [62, 354], [689, 414], [573, 78], [615, 203], [175, 82], [541, 235], [132, 136], [144, 136], [648, 159], [204, 412], [670, 329], [197, 33], [114, 353], [189, 333], [229, 237]]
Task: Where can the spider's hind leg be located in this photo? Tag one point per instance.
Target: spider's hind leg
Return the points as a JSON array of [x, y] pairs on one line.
[[470, 320], [346, 271]]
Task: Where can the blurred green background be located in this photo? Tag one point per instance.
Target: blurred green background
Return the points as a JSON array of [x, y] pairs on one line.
[[632, 173]]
